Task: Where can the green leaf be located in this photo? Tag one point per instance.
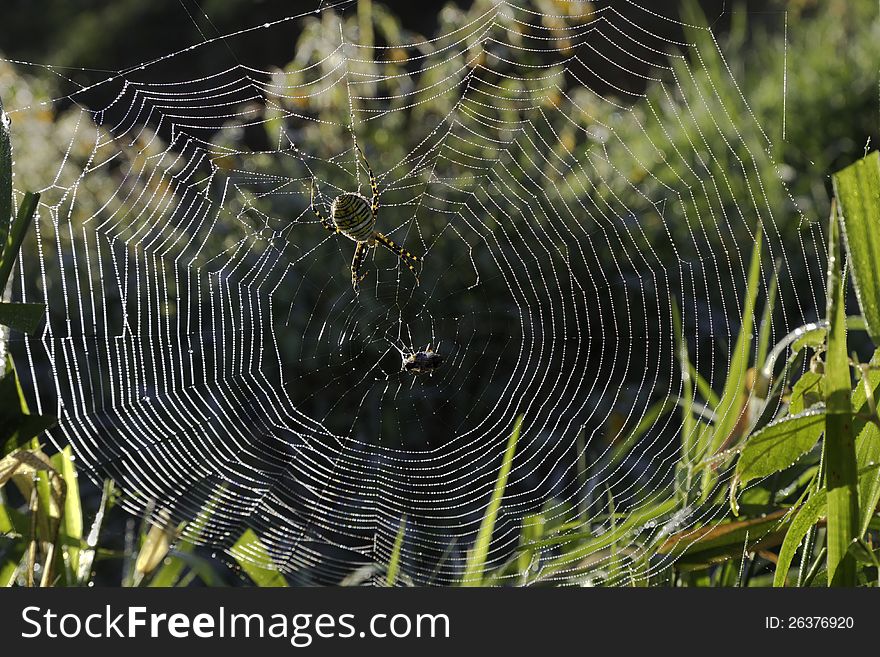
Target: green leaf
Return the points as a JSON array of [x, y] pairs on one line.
[[24, 317], [17, 426], [478, 554], [814, 339], [809, 514], [16, 236], [250, 553], [5, 179], [864, 554], [807, 391], [858, 192], [779, 444], [841, 478]]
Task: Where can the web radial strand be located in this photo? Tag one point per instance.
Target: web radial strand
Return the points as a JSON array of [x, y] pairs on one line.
[[565, 170]]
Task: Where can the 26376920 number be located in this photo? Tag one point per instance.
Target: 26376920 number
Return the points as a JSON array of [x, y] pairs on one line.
[[809, 622]]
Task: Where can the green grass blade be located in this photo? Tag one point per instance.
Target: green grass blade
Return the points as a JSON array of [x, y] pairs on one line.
[[689, 430], [858, 192], [867, 442], [586, 544], [841, 479], [24, 317], [87, 556], [394, 561], [172, 568], [250, 553], [648, 420], [11, 544], [767, 318], [72, 519], [17, 425], [729, 408], [688, 424], [198, 567], [9, 566], [533, 528], [813, 510], [809, 514], [868, 451], [705, 390], [182, 554], [16, 235], [476, 561]]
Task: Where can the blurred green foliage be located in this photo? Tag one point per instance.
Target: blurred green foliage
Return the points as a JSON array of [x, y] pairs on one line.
[[676, 138]]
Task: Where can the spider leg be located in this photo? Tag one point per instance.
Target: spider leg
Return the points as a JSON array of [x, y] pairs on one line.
[[360, 252], [374, 186], [326, 223], [405, 256]]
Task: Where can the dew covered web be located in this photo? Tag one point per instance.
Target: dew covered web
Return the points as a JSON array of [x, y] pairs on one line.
[[570, 172]]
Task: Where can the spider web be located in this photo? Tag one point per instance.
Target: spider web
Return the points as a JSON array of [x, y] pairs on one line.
[[566, 170]]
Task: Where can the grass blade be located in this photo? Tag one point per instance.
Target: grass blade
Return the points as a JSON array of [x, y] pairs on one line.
[[72, 518], [730, 407], [250, 553], [17, 425], [767, 318], [688, 424], [476, 561], [705, 390], [585, 545], [87, 556], [649, 419], [867, 441], [16, 235], [809, 514], [155, 548], [841, 479], [857, 189], [394, 562]]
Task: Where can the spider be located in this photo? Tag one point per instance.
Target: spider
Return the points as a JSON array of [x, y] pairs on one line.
[[426, 360], [355, 216]]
